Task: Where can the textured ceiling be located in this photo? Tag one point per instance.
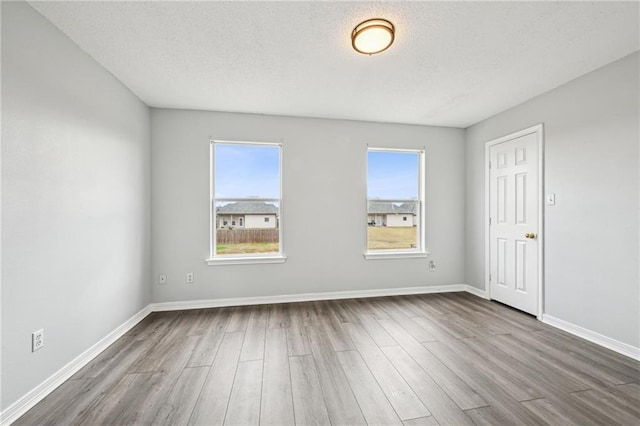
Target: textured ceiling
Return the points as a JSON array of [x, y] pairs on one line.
[[452, 63]]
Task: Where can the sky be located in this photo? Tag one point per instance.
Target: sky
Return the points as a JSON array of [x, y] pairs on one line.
[[392, 175], [243, 171]]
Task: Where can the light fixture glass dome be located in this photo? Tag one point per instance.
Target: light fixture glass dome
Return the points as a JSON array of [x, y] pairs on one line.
[[372, 36]]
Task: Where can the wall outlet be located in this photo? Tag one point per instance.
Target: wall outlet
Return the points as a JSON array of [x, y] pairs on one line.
[[189, 277], [37, 340], [162, 279], [432, 266]]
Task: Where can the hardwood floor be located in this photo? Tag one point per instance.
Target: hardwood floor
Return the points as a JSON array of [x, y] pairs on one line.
[[414, 360]]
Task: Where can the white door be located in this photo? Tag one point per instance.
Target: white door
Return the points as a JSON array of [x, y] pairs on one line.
[[513, 223]]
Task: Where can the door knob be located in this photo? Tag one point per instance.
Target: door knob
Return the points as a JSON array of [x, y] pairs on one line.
[[530, 235]]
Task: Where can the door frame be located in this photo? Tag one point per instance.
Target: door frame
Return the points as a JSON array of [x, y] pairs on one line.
[[538, 130]]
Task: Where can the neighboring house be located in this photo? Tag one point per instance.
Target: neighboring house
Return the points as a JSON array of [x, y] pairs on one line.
[[247, 215], [384, 213]]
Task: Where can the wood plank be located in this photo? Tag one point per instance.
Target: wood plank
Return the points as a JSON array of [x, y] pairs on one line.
[[124, 400], [372, 401], [422, 421], [239, 319], [550, 387], [373, 327], [62, 405], [342, 406], [567, 379], [244, 403], [403, 400], [549, 412], [309, 314], [330, 325], [80, 397], [253, 346], [396, 313], [454, 386], [179, 403], [503, 405], [215, 326], [207, 348], [279, 316], [151, 394], [607, 361], [308, 401], [277, 401], [297, 341], [610, 405], [442, 408], [211, 407]]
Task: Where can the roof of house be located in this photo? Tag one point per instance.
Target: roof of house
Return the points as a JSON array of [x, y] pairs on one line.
[[257, 207], [387, 207]]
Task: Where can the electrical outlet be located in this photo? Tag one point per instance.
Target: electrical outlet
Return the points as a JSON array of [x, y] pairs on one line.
[[190, 277], [37, 340], [432, 266], [162, 279]]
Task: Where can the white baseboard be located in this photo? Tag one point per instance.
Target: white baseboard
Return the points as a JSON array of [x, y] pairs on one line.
[[597, 338], [306, 297], [37, 394], [477, 292]]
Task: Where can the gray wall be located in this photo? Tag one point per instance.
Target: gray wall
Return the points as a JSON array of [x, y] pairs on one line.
[[75, 200], [592, 165], [324, 214]]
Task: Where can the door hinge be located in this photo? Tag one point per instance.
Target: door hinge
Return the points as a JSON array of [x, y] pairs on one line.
[[489, 221], [489, 277], [489, 164]]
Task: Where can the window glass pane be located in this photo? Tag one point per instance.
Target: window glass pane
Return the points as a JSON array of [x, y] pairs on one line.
[[392, 225], [243, 171], [392, 175], [245, 227]]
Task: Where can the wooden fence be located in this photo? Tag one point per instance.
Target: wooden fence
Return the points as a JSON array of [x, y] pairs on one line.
[[242, 236]]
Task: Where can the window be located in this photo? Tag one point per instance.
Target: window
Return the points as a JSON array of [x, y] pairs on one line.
[[245, 187], [395, 215]]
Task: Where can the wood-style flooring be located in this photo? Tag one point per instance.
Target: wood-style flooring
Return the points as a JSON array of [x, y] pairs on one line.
[[414, 360]]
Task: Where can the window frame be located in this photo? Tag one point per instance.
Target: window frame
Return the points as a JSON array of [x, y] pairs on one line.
[[235, 259], [420, 250]]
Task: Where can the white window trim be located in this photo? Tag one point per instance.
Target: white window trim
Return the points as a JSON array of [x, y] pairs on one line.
[[243, 260], [252, 258], [421, 252]]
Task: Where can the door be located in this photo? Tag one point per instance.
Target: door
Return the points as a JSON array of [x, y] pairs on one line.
[[513, 221]]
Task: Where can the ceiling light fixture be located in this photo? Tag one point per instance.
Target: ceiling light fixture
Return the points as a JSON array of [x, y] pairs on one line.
[[373, 36]]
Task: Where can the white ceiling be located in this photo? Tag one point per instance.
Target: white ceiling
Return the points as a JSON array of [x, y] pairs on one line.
[[452, 64]]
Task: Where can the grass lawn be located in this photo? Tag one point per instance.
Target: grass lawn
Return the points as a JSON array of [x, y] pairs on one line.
[[389, 238], [247, 248]]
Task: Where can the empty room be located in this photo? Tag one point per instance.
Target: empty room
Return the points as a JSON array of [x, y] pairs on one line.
[[320, 213]]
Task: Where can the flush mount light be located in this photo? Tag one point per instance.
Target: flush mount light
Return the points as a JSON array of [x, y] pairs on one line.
[[372, 36]]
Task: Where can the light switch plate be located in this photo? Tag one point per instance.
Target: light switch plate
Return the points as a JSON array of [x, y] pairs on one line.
[[551, 199]]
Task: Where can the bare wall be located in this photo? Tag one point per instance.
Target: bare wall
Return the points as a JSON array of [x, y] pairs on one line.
[[592, 165], [324, 213], [75, 200]]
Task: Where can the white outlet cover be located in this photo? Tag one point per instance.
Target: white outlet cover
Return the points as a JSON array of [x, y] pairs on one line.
[[37, 340]]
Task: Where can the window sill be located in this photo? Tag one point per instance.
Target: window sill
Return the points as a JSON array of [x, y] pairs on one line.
[[245, 260], [397, 255]]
